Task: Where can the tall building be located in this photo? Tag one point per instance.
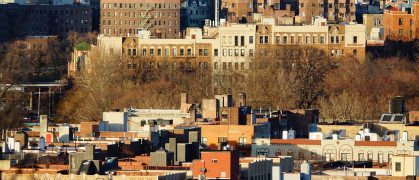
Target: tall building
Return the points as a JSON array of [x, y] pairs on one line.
[[122, 18], [43, 20]]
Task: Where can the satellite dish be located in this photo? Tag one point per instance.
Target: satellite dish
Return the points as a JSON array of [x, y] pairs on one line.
[[203, 169]]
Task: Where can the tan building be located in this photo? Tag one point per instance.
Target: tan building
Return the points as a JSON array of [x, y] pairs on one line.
[[405, 165], [374, 26], [341, 149], [124, 18]]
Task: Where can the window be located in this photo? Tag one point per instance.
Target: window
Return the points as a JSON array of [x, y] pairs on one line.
[[398, 166], [337, 39], [278, 39], [216, 65], [355, 39], [189, 51], [292, 39], [290, 153], [329, 157], [361, 156], [260, 39], [204, 141], [181, 51], [174, 52], [332, 39], [236, 41], [278, 152], [249, 5], [278, 52], [369, 156], [174, 65], [302, 5], [307, 39], [314, 39], [242, 140], [266, 39], [250, 52], [151, 52], [182, 65], [400, 21], [230, 52], [214, 161], [355, 52], [321, 39], [242, 52], [300, 39], [224, 65], [159, 52], [223, 139], [345, 156], [380, 157], [224, 52], [189, 66], [205, 52], [411, 22], [236, 52], [242, 40], [284, 40], [215, 52], [166, 52], [200, 52], [250, 39], [400, 32]]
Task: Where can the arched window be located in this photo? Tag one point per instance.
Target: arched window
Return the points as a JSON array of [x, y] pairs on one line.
[[278, 152], [290, 153]]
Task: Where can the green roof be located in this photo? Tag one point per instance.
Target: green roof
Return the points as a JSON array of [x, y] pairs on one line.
[[82, 46]]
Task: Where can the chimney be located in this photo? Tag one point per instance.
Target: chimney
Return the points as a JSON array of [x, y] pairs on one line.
[[184, 98]]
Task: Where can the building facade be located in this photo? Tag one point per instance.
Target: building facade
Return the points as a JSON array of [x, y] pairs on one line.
[[18, 21], [402, 23], [123, 18]]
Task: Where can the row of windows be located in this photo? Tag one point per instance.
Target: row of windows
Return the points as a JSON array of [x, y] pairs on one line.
[[241, 140], [166, 65], [401, 22], [125, 31], [238, 40], [56, 12], [133, 23], [229, 65], [174, 52], [343, 156], [135, 6], [134, 14], [299, 40]]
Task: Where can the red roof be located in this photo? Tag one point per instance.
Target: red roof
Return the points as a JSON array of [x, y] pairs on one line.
[[296, 141], [375, 143]]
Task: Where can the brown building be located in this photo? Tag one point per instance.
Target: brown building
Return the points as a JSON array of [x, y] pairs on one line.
[[121, 18], [18, 21], [402, 24]]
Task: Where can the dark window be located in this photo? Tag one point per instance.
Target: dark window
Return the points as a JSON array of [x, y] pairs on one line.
[[242, 40], [215, 52], [236, 41], [398, 166]]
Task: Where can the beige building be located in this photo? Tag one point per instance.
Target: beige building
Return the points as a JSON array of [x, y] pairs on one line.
[[405, 165], [374, 26], [343, 149]]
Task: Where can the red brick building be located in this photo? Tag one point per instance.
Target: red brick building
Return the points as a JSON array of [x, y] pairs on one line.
[[217, 165], [402, 25], [120, 18]]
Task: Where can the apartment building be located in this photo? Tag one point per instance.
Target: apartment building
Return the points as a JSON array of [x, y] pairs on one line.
[[123, 18], [18, 21], [334, 149], [401, 23]]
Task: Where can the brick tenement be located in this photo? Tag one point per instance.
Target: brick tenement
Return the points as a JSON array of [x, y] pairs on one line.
[[120, 18]]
